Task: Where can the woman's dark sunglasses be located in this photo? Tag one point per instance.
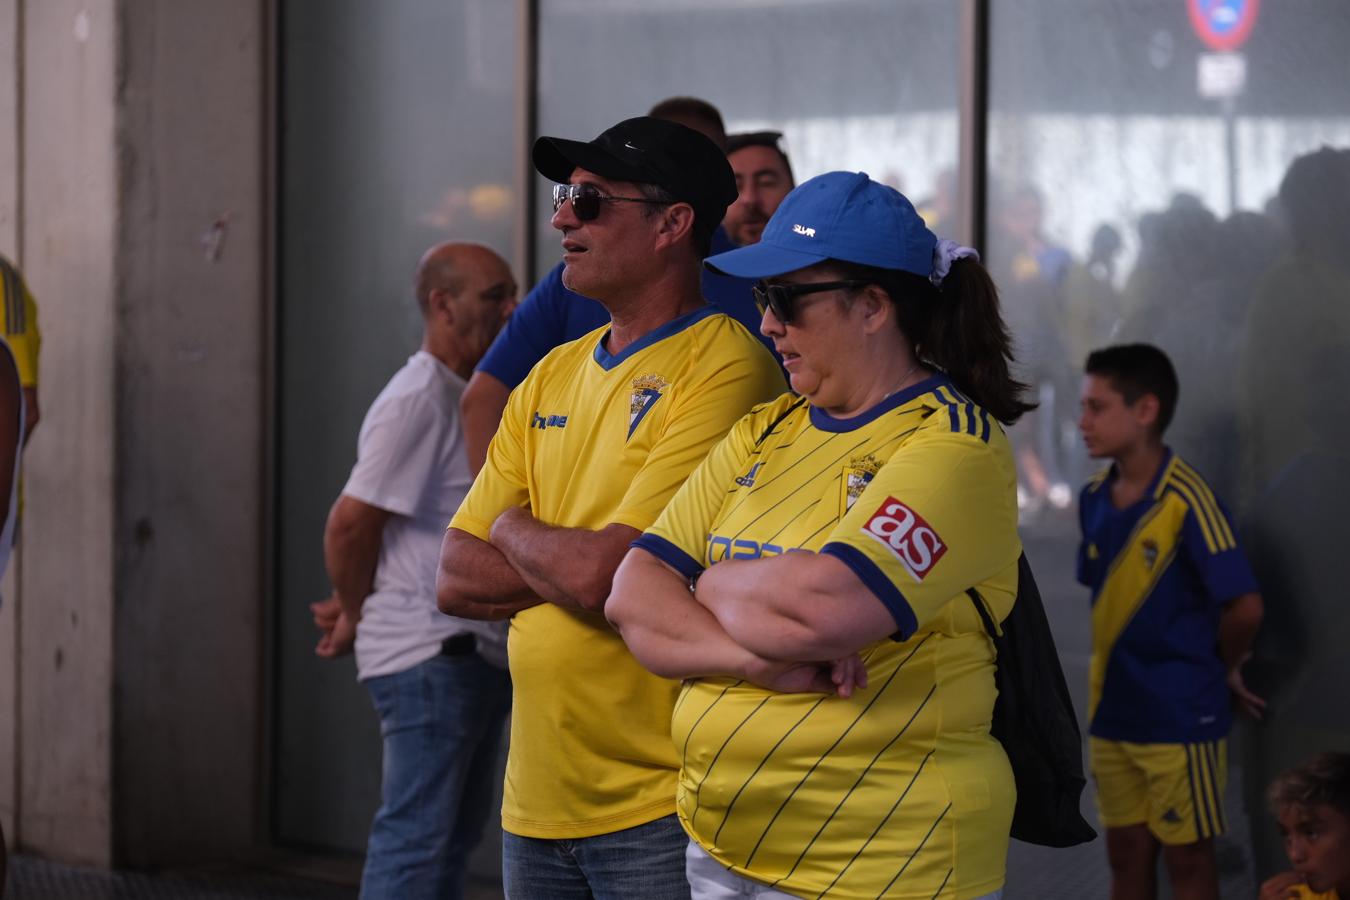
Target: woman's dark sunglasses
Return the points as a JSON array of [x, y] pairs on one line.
[[586, 199], [781, 299]]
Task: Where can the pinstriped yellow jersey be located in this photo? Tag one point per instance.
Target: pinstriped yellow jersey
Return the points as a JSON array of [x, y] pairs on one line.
[[592, 438], [21, 327], [898, 791], [1160, 571]]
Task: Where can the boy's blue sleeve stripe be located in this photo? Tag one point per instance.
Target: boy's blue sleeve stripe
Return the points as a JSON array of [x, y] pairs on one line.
[[876, 581], [669, 554]]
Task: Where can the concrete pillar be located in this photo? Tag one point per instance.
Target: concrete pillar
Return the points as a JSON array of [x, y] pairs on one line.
[[10, 74], [136, 667], [188, 524], [66, 599]]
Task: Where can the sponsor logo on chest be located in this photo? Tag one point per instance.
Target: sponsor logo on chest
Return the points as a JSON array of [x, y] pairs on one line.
[[910, 539], [543, 422]]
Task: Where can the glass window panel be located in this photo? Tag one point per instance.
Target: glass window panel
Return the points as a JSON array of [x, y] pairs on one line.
[[1136, 195], [397, 126], [852, 84]]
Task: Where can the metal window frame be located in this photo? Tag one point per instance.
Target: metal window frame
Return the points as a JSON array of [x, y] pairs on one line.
[[973, 118]]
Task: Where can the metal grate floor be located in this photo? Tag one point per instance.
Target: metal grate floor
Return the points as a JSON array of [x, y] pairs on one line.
[[38, 879]]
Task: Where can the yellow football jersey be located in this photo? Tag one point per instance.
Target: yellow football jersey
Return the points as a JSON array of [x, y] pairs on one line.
[[21, 325], [590, 439], [898, 791]]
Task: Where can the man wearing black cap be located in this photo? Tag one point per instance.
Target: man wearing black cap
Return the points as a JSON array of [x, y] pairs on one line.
[[551, 314], [592, 444]]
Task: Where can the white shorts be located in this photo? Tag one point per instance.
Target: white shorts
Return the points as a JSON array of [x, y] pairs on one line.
[[710, 880]]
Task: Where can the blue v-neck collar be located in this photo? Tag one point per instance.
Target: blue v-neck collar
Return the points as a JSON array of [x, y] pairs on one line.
[[608, 361]]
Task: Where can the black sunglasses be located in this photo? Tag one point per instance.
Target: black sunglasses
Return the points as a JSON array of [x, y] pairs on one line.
[[781, 299], [586, 200]]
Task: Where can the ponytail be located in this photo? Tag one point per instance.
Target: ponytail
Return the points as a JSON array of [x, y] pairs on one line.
[[968, 339], [956, 328]]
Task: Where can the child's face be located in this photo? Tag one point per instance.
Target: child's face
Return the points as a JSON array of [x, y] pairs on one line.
[[1318, 843], [1108, 424]]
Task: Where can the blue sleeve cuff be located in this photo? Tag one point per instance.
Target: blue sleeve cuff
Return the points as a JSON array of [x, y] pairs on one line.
[[876, 581], [669, 554], [1233, 579]]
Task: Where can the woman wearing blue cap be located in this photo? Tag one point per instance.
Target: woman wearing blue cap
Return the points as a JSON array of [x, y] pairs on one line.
[[834, 724]]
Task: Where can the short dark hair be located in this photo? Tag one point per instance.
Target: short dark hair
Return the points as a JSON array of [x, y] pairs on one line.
[[1323, 780], [1136, 370], [683, 109], [703, 229], [771, 139]]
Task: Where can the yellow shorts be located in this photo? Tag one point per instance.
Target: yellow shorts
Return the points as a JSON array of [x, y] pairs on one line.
[[1174, 789]]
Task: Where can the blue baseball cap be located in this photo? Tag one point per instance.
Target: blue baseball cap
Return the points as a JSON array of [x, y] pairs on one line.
[[838, 215]]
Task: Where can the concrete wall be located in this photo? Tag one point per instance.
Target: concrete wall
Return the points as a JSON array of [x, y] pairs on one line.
[[188, 527], [10, 73], [131, 653], [65, 601]]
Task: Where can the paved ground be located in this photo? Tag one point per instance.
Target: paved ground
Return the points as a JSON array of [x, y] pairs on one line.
[[1034, 873]]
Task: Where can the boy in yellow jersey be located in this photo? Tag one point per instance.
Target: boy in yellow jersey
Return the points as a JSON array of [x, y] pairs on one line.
[[591, 446], [1312, 802], [23, 337], [1174, 611]]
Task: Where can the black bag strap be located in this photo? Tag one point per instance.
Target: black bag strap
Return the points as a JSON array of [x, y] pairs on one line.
[[778, 421], [990, 628]]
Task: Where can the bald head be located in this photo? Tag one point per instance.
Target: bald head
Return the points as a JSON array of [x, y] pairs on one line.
[[445, 267], [466, 292]]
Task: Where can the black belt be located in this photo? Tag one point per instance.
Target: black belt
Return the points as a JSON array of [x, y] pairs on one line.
[[461, 644]]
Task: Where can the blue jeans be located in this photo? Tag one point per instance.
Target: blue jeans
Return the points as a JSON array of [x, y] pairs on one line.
[[442, 723], [646, 861]]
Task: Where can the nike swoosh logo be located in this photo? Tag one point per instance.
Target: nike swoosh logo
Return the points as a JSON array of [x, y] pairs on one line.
[[630, 146]]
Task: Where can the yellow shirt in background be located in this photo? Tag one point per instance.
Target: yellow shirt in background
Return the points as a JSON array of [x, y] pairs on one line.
[[590, 439], [21, 325], [1303, 892]]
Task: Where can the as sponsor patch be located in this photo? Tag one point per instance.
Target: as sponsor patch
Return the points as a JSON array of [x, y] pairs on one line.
[[910, 539]]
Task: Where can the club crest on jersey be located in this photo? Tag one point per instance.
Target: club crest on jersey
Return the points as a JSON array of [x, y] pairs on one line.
[[647, 389], [857, 476], [910, 539]]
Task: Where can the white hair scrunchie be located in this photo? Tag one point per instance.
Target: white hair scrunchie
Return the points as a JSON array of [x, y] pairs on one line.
[[943, 254]]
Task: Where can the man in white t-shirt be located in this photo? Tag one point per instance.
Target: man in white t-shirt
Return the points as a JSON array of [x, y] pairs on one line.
[[439, 684]]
